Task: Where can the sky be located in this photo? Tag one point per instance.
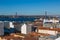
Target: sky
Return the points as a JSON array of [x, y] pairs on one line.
[[29, 7]]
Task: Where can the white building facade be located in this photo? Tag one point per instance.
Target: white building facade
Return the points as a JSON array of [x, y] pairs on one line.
[[25, 29]]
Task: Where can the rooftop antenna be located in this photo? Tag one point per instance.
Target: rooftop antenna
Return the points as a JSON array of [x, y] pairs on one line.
[[16, 14], [45, 14]]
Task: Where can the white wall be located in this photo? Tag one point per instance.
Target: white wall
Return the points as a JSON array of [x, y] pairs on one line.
[[24, 29], [51, 20], [58, 38], [51, 32], [11, 24]]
